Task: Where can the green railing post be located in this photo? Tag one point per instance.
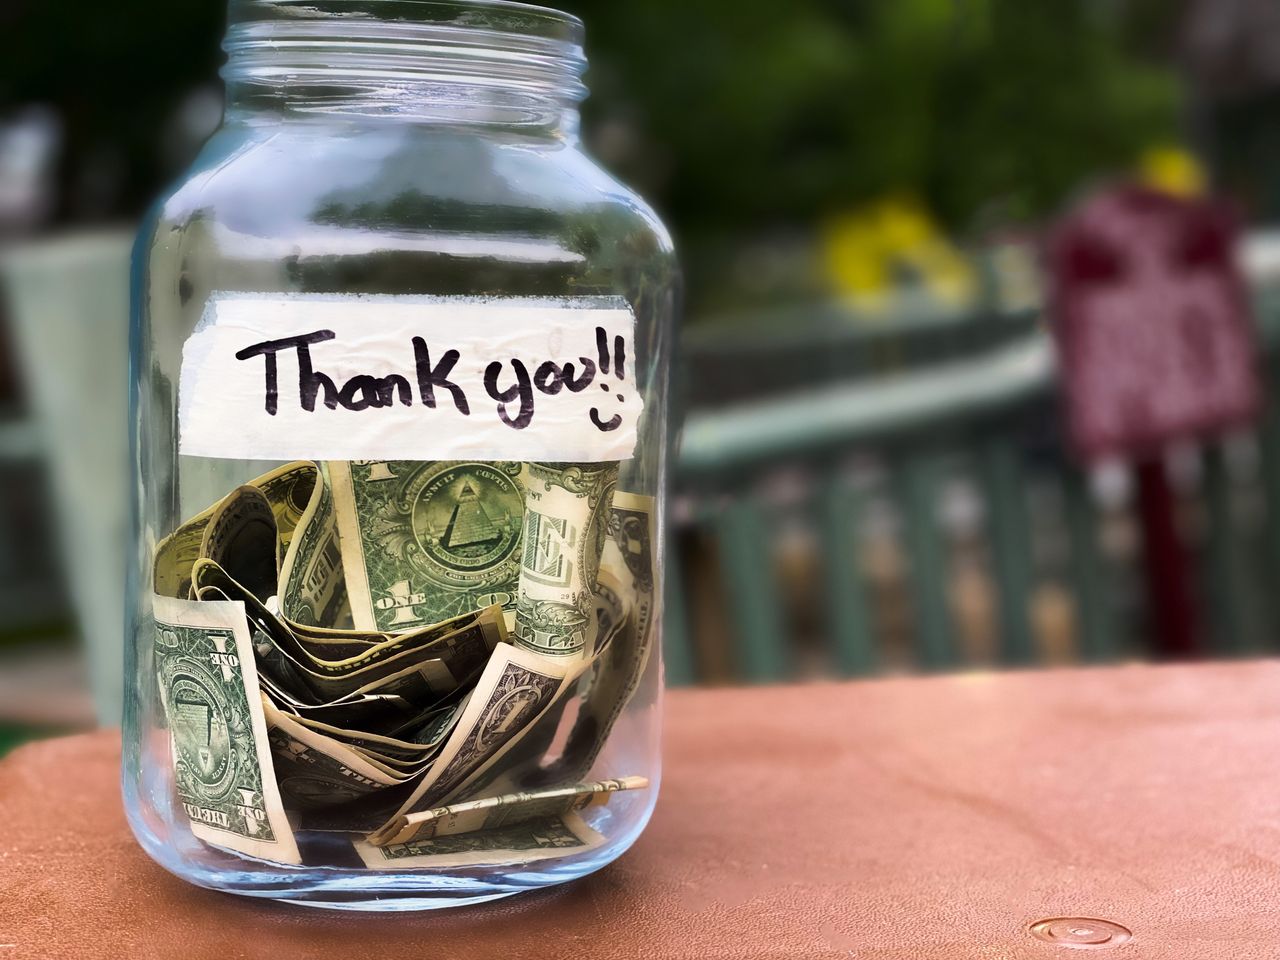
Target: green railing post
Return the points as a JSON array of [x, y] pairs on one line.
[[926, 552], [746, 559], [677, 656], [1009, 526], [840, 515]]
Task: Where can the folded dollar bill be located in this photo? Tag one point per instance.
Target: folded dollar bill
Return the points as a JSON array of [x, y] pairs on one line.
[[508, 809], [523, 842]]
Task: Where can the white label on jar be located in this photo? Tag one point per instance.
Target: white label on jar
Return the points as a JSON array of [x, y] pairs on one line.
[[351, 377]]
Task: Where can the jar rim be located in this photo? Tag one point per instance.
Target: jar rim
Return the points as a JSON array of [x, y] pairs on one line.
[[499, 16], [391, 57]]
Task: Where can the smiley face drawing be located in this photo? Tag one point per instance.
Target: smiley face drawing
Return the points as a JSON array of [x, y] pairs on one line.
[[618, 362]]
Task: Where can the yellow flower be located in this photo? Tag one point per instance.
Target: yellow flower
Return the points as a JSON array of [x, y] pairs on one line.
[[868, 250], [1173, 170]]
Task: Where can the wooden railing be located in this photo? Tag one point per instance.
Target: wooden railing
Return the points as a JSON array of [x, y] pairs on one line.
[[896, 446]]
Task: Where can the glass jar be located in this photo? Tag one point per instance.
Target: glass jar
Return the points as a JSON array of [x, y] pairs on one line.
[[400, 356]]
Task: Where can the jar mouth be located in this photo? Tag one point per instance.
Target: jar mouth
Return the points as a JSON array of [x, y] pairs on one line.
[[506, 16], [415, 47]]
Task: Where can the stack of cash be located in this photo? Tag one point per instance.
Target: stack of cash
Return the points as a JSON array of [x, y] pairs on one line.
[[382, 653]]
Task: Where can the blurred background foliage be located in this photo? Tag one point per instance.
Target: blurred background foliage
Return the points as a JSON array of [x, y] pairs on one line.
[[748, 124], [860, 190], [987, 109]]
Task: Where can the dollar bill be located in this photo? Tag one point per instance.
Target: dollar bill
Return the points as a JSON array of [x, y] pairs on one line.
[[565, 526], [288, 490], [327, 797], [406, 761], [311, 584], [425, 541], [418, 743], [370, 711], [526, 764], [223, 771], [517, 687], [426, 664], [176, 554], [612, 609], [241, 538], [314, 771], [508, 809], [629, 568], [526, 842], [325, 644]]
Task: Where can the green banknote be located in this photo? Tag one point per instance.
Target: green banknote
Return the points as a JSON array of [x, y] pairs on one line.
[[312, 588], [524, 767], [241, 538], [423, 665], [417, 744], [426, 541], [630, 562], [517, 687], [508, 809], [565, 526], [288, 490], [628, 579], [223, 774], [524, 842], [317, 771]]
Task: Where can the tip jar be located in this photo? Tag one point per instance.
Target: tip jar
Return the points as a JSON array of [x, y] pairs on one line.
[[400, 357]]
